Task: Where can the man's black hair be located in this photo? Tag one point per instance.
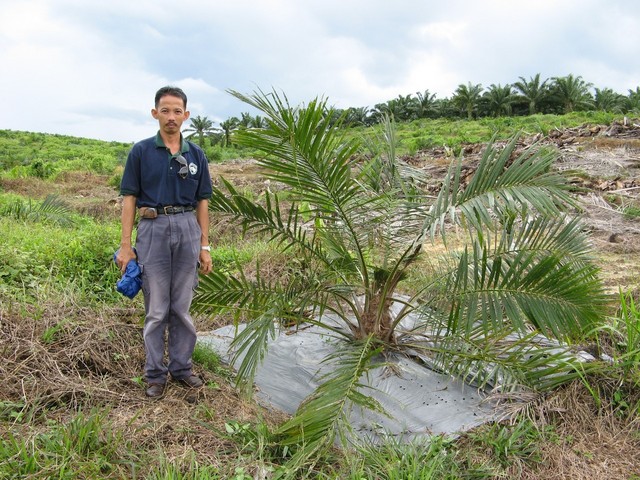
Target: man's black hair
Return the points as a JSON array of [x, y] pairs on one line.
[[173, 91]]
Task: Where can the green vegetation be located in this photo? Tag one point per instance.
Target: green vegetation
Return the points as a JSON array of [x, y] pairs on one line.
[[509, 102], [38, 254], [46, 156], [41, 155], [72, 404], [85, 446]]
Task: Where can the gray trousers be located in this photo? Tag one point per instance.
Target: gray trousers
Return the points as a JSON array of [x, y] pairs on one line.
[[168, 252]]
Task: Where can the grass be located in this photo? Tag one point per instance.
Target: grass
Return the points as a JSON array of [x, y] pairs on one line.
[[433, 458], [631, 212], [85, 446], [41, 254], [49, 157], [454, 134]]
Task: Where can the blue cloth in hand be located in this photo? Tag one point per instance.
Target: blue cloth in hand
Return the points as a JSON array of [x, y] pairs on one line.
[[131, 281]]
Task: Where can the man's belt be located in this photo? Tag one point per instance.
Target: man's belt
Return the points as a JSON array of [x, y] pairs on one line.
[[153, 212], [171, 210]]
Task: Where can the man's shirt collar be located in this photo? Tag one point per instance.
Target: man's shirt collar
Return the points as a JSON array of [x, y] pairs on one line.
[[184, 145]]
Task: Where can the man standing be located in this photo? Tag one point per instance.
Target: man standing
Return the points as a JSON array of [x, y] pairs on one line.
[[166, 178]]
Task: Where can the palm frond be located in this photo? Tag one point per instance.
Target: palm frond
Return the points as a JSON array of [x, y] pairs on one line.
[[500, 184], [305, 150], [52, 210], [320, 417], [219, 292], [535, 275], [251, 345], [324, 242], [264, 305], [507, 362], [287, 227]]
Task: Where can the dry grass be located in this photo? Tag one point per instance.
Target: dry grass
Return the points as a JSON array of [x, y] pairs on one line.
[[593, 442], [579, 439], [94, 360], [612, 142]]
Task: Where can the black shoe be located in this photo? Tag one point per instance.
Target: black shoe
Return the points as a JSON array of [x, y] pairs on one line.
[[192, 381], [155, 390]]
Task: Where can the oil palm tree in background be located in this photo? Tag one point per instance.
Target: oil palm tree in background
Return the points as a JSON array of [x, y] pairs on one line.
[[499, 99], [245, 120], [532, 91], [609, 101], [400, 108], [257, 122], [354, 116], [200, 127], [517, 269], [572, 93], [467, 97], [424, 104], [227, 127], [633, 100]]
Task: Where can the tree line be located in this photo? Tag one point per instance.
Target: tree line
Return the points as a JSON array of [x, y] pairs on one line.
[[555, 95]]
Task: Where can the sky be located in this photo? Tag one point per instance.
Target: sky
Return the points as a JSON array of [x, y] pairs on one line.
[[91, 68]]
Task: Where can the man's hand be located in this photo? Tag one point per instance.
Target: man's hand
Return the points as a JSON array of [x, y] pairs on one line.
[[125, 254], [206, 264]]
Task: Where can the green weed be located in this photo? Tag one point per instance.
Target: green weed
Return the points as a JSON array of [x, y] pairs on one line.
[[13, 411], [631, 212], [38, 254], [510, 444], [181, 470], [84, 447], [433, 458], [210, 360], [51, 334]]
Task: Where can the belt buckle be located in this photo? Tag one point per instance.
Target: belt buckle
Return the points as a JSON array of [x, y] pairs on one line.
[[168, 210], [148, 212]]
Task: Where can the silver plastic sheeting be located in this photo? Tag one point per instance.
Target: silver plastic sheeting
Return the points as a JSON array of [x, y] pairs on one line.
[[418, 401]]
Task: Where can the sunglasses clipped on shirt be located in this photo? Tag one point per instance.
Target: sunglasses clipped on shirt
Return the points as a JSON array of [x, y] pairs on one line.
[[184, 169]]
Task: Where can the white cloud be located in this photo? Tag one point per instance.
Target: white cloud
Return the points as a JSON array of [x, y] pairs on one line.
[[449, 32], [91, 68]]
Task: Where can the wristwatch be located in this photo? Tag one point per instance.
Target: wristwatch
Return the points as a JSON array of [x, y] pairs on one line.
[[206, 247]]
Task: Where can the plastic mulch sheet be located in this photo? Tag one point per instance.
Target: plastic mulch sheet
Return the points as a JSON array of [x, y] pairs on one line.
[[419, 401]]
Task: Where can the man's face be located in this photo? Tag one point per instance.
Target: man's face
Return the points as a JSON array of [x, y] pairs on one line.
[[170, 114]]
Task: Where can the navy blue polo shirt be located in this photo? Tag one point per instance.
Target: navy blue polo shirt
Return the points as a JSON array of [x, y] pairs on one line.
[[151, 174]]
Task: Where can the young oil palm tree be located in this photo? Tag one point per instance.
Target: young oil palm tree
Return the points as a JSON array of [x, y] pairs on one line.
[[51, 210], [518, 270]]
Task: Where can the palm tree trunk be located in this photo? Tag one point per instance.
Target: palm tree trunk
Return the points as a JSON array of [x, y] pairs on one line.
[[376, 319]]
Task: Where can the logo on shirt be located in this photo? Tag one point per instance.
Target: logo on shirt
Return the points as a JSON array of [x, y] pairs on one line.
[[193, 168]]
